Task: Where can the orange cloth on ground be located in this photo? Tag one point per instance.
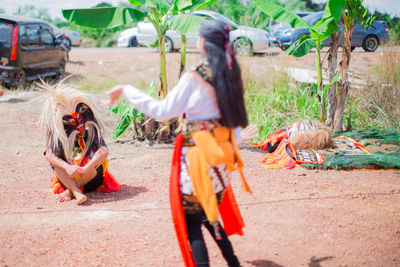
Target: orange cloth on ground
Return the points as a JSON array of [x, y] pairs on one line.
[[280, 158], [271, 140], [212, 149]]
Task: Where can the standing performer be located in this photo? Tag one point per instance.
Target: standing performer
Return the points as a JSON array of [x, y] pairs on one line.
[[75, 146], [211, 97]]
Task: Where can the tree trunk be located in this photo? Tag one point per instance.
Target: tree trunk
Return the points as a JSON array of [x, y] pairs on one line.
[[332, 66], [163, 68], [344, 84], [183, 56], [320, 83]]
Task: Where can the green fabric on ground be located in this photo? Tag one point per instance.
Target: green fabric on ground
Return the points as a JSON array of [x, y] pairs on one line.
[[385, 143]]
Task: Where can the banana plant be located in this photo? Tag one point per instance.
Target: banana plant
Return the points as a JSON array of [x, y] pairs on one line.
[[130, 116], [156, 11], [318, 33], [185, 24], [353, 10], [187, 7]]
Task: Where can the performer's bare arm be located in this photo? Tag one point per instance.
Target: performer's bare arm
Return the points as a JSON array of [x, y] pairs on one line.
[[56, 162], [99, 156]]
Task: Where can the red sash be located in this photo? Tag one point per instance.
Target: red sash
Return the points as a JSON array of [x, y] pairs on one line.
[[229, 210]]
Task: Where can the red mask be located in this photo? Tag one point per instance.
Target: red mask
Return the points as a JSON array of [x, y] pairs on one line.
[[76, 121]]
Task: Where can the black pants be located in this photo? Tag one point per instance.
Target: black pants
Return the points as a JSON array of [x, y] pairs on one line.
[[199, 249]]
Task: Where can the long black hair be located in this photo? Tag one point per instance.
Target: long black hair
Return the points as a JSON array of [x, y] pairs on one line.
[[226, 77]]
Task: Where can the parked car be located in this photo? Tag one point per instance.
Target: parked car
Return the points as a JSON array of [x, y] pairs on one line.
[[274, 25], [29, 50], [72, 38], [369, 40], [245, 40]]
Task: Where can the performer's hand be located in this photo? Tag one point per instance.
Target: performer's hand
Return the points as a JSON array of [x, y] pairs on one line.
[[72, 170], [81, 170], [250, 132], [114, 93]]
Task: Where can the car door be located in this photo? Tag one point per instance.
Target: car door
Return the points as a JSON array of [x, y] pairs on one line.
[[358, 36], [50, 57], [30, 48]]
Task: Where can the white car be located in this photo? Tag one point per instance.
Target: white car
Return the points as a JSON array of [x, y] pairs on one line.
[[245, 40], [72, 38]]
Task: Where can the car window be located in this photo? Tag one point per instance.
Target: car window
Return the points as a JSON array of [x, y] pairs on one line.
[[46, 37], [313, 18], [30, 35], [203, 15], [225, 20], [6, 30]]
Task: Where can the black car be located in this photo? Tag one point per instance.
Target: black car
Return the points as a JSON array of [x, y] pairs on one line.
[[369, 39], [29, 50]]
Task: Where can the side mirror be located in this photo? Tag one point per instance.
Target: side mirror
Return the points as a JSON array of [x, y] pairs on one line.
[[60, 37], [60, 40]]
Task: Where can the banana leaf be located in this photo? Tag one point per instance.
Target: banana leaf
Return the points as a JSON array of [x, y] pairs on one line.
[[280, 14], [103, 17], [123, 124], [185, 23], [301, 47]]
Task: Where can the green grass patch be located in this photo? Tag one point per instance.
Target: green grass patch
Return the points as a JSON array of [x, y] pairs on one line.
[[279, 103]]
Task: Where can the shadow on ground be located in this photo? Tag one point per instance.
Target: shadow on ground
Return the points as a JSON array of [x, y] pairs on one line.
[[314, 262], [264, 263], [126, 192]]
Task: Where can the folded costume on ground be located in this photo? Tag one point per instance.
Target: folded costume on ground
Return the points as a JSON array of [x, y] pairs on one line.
[[370, 149]]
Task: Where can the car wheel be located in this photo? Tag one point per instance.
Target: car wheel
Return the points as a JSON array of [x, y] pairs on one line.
[[19, 82], [60, 70], [370, 43], [133, 42], [169, 45], [242, 46], [67, 43]]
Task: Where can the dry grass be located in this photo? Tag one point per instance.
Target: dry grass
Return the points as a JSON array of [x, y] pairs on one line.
[[379, 100]]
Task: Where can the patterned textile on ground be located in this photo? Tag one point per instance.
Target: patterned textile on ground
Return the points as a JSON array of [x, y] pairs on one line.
[[374, 150]]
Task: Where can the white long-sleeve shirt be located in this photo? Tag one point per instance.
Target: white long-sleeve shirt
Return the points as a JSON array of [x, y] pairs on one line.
[[192, 95], [195, 97]]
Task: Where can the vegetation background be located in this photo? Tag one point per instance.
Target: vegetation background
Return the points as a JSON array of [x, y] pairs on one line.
[[276, 101]]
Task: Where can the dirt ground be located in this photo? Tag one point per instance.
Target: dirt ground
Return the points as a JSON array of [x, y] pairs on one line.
[[294, 217]]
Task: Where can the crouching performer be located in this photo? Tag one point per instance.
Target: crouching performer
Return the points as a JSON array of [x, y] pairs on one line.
[[211, 97], [75, 147]]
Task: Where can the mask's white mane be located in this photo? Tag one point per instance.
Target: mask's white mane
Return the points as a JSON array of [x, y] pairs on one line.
[[60, 100]]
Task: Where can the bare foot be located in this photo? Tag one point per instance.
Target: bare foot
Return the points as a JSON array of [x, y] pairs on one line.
[[1, 92], [64, 196], [80, 198]]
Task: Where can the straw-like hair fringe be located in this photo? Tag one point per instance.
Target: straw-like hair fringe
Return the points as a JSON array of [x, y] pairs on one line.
[[59, 100]]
